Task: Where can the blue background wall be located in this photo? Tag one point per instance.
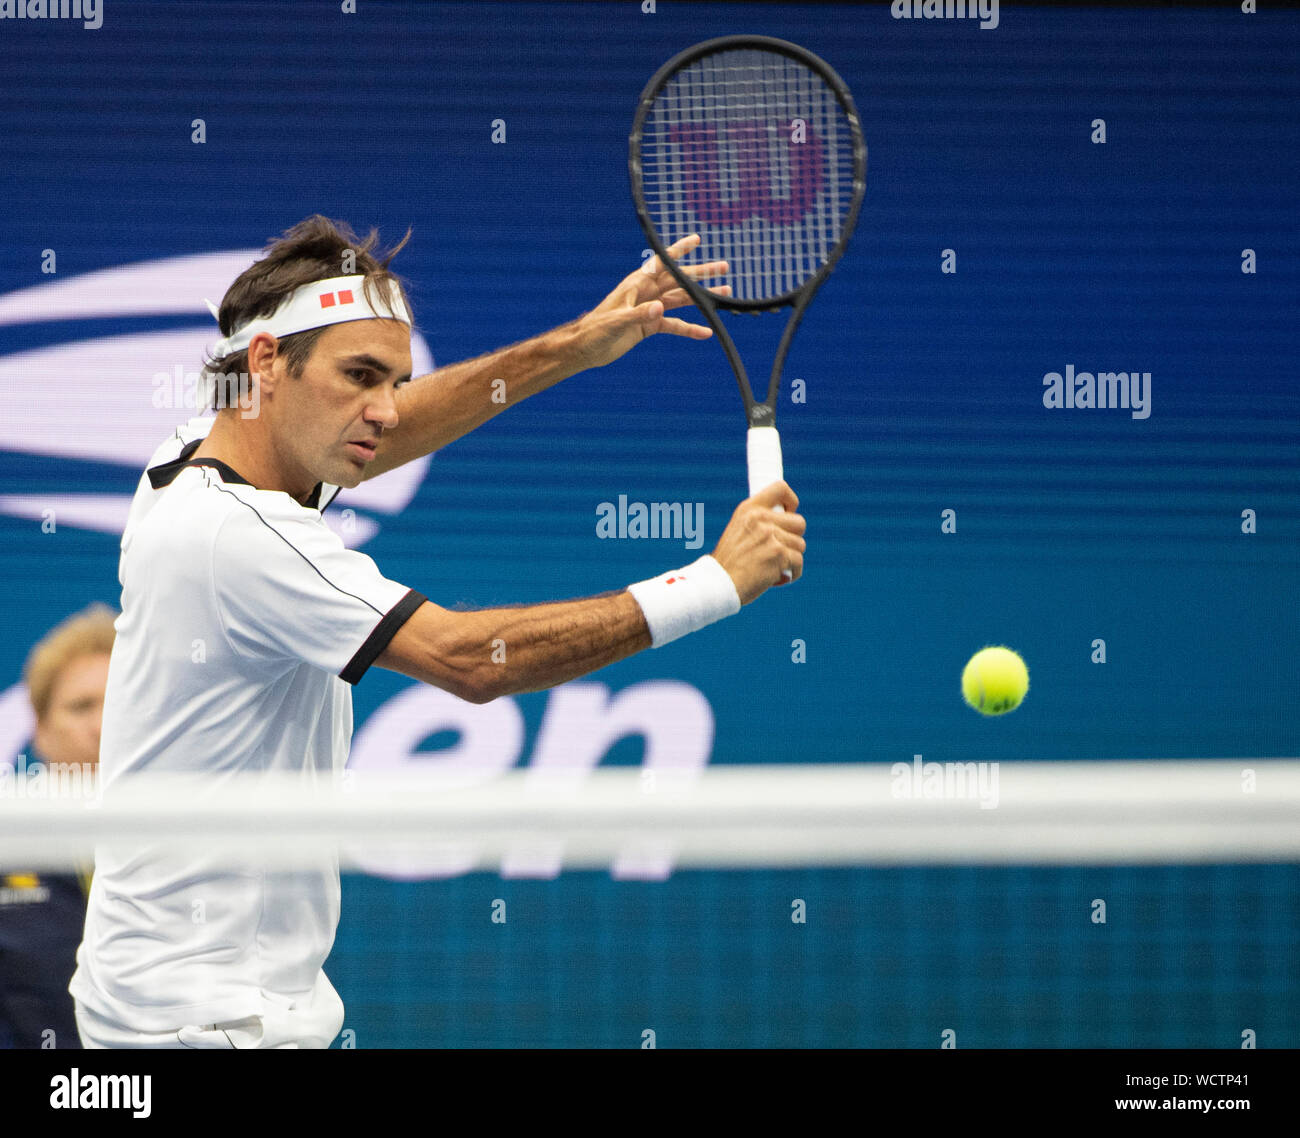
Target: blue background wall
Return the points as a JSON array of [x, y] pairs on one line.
[[924, 394]]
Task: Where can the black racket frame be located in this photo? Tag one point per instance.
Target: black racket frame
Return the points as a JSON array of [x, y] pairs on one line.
[[758, 414]]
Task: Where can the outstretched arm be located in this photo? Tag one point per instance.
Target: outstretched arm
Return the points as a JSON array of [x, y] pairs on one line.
[[440, 407], [482, 655]]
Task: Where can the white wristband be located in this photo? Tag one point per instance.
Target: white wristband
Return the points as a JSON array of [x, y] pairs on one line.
[[685, 600]]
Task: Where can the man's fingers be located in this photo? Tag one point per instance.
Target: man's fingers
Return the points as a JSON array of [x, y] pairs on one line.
[[793, 524], [711, 269], [706, 269], [666, 282], [678, 249], [788, 531], [777, 494], [654, 275], [791, 558], [651, 316], [678, 297], [794, 550], [676, 327]]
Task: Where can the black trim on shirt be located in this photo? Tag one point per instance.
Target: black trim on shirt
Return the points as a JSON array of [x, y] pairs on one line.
[[379, 639], [164, 474]]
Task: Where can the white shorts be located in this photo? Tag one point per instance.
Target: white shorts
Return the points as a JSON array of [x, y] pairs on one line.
[[313, 1023]]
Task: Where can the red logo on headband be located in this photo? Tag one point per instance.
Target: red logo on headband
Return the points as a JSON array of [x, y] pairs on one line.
[[327, 299]]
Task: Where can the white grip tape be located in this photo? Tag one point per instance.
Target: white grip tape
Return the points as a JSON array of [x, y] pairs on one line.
[[763, 449], [685, 600]]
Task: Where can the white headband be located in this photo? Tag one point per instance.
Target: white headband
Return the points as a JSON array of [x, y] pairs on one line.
[[333, 301]]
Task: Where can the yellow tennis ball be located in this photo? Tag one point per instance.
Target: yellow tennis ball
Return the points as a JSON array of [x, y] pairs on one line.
[[995, 681]]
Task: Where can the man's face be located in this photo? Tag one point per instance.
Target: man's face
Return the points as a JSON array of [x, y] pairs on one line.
[[329, 420], [69, 730]]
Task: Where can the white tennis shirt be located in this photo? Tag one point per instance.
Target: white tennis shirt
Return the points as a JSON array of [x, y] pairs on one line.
[[244, 622]]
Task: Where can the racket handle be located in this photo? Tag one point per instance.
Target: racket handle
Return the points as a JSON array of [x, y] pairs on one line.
[[763, 450]]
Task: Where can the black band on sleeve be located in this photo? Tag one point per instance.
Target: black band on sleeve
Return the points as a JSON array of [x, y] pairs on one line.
[[383, 632]]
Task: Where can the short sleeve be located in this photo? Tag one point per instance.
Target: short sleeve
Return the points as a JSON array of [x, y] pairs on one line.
[[287, 588]]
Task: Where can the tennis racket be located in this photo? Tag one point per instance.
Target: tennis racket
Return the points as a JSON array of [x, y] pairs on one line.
[[755, 144]]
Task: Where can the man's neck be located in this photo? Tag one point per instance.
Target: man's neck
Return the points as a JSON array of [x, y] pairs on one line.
[[229, 444]]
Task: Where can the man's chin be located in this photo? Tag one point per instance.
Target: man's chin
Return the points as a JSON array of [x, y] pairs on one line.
[[348, 476]]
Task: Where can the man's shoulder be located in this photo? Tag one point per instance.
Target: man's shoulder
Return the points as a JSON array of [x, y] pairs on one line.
[[192, 430], [146, 497]]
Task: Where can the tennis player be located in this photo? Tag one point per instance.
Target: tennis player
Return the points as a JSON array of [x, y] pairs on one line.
[[245, 620]]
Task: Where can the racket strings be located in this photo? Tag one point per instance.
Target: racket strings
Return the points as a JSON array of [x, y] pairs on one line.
[[752, 150]]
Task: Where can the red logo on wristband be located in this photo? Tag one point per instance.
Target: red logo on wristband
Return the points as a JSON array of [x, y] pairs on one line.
[[679, 577]]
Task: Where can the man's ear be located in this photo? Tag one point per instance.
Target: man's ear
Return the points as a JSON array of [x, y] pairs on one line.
[[265, 362]]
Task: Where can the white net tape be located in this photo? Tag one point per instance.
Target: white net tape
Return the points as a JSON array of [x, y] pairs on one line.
[[1075, 813]]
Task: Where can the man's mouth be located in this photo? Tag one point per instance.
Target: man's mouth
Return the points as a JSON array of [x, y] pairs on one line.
[[364, 449]]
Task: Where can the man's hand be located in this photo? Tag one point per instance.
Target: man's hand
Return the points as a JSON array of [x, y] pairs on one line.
[[635, 309], [759, 543]]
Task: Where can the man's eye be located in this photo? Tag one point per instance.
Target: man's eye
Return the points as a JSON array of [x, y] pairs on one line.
[[360, 374]]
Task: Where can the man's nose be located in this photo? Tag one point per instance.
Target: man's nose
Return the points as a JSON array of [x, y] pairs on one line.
[[383, 411]]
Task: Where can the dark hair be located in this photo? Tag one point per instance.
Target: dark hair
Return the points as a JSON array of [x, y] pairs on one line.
[[314, 249]]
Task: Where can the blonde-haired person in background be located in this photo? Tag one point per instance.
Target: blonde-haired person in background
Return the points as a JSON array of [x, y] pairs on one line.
[[42, 915]]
